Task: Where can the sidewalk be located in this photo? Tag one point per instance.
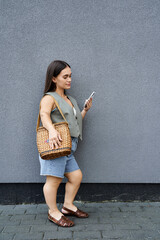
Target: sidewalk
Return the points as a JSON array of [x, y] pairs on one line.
[[107, 220]]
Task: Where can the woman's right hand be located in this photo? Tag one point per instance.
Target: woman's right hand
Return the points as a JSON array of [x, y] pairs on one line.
[[54, 139]]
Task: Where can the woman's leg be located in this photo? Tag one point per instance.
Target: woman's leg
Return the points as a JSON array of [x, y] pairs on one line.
[[71, 188], [50, 193]]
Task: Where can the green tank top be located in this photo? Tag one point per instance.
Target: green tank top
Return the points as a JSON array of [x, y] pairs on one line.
[[72, 115]]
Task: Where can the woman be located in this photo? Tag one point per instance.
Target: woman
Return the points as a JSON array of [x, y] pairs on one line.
[[58, 80]]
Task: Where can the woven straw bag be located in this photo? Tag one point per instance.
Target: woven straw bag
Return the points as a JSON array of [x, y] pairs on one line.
[[43, 139]]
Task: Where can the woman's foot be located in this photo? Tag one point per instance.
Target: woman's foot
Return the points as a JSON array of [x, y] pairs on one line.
[[59, 219], [71, 207], [56, 214], [74, 211]]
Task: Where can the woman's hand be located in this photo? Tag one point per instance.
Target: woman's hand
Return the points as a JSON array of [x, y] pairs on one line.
[[54, 139], [89, 104]]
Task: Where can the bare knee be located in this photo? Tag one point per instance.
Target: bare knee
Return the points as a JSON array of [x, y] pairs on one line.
[[52, 182], [80, 175], [75, 177]]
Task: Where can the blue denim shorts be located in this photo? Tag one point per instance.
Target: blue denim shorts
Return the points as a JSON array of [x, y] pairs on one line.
[[58, 166]]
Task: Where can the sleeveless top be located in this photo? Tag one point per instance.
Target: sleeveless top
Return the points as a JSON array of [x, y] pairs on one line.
[[72, 114]]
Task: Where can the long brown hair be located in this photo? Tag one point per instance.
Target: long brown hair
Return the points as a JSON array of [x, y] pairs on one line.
[[53, 70]]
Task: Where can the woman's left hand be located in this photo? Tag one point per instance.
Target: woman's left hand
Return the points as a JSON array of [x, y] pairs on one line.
[[89, 104]]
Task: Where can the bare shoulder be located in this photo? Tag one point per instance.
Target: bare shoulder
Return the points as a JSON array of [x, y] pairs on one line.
[[47, 103]]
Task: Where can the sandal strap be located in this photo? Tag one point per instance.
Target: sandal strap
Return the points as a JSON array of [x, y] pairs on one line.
[[69, 210], [78, 212], [63, 221]]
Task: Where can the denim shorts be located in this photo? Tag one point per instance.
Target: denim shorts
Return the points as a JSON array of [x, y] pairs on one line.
[[58, 166]]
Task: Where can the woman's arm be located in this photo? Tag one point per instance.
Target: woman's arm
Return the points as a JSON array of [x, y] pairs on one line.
[[46, 106], [89, 105], [83, 113]]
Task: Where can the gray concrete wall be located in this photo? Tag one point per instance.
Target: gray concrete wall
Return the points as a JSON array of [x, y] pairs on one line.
[[113, 48]]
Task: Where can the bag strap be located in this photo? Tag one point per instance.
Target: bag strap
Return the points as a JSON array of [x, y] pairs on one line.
[[38, 120]]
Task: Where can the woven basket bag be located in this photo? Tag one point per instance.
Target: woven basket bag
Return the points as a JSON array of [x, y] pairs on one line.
[[43, 139]]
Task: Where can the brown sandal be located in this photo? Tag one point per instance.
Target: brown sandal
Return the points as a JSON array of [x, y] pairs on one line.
[[63, 221], [78, 213]]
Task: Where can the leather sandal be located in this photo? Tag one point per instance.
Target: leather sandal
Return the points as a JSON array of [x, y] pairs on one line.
[[63, 221], [78, 213]]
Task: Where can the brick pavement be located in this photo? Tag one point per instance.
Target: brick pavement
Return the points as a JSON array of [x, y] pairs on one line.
[[107, 220]]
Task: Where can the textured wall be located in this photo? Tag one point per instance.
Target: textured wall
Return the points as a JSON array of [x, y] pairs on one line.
[[113, 48]]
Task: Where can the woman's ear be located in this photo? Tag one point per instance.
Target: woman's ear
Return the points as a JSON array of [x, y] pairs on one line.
[[53, 79]]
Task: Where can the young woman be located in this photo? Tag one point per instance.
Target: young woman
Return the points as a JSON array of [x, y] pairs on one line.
[[58, 80]]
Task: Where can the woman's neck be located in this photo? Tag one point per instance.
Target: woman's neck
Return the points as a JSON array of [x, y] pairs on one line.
[[61, 93]]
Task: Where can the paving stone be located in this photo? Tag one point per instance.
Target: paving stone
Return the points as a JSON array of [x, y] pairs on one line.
[[131, 209], [148, 215], [7, 212], [104, 204], [48, 223], [102, 226], [85, 221], [4, 218], [31, 209], [1, 228], [22, 216], [41, 216], [76, 227], [146, 235], [28, 236], [125, 234], [83, 204], [137, 220], [42, 206], [58, 234], [79, 204], [78, 224], [155, 204], [126, 226], [33, 222], [138, 203], [26, 206], [92, 211], [44, 228], [101, 210], [152, 211], [87, 234], [107, 220], [97, 214], [7, 236], [155, 219], [85, 239], [7, 207], [122, 214], [22, 229], [119, 238], [150, 226], [11, 223]]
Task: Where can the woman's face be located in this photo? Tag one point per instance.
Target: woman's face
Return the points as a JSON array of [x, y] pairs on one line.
[[63, 80]]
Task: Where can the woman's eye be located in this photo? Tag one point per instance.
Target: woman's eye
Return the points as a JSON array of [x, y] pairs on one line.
[[66, 77]]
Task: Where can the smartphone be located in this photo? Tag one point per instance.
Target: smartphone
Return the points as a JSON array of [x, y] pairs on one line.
[[92, 94]]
